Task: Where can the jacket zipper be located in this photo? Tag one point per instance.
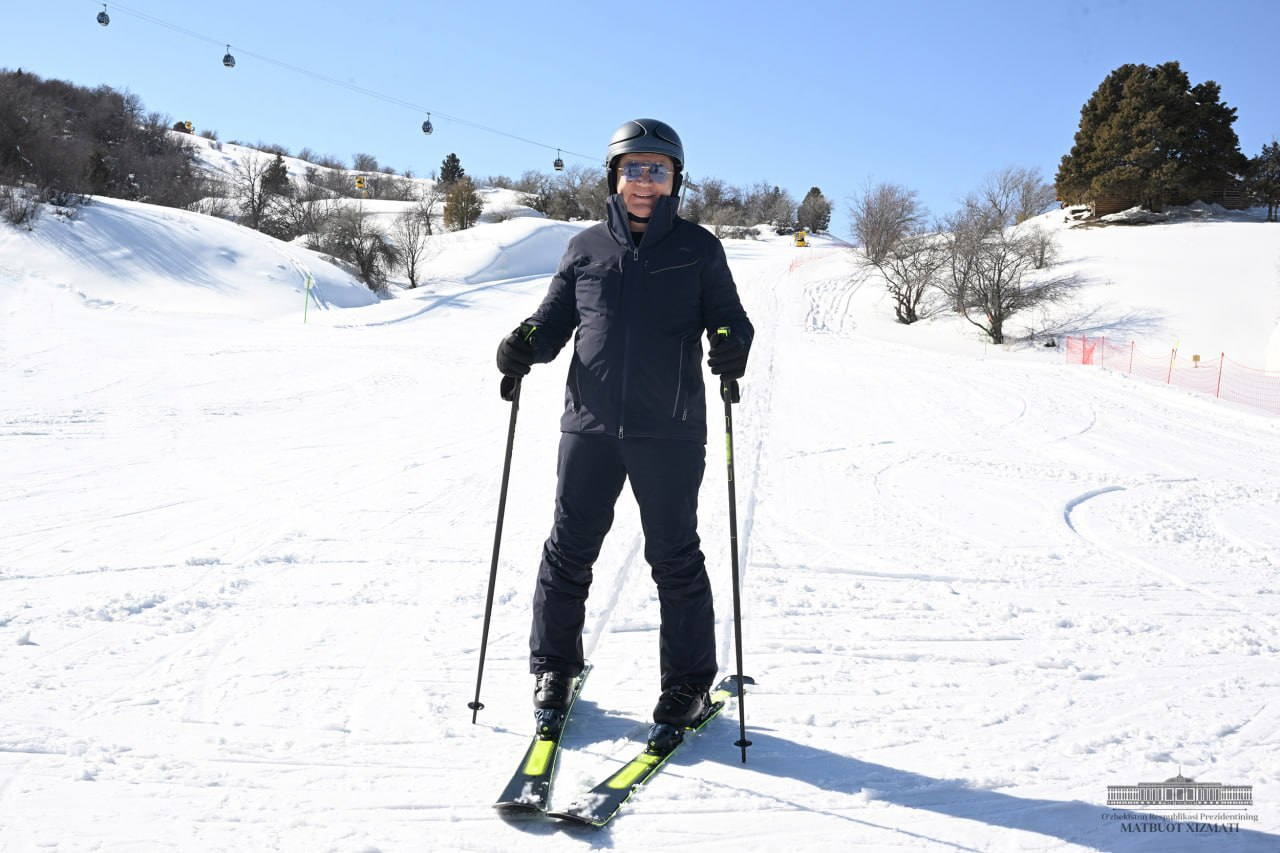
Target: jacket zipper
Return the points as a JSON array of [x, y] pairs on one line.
[[577, 388], [680, 386], [626, 344]]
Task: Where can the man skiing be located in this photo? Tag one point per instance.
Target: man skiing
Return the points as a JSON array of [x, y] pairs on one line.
[[636, 292]]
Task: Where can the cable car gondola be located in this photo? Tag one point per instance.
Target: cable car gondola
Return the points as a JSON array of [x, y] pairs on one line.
[[229, 60], [558, 164], [427, 126], [103, 17]]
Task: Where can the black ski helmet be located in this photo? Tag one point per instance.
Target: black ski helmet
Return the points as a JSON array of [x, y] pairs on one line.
[[648, 136]]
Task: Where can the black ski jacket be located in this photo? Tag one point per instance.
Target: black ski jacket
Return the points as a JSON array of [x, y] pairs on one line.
[[640, 313]]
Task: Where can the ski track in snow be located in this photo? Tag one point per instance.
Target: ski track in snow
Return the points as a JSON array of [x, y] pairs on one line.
[[243, 568]]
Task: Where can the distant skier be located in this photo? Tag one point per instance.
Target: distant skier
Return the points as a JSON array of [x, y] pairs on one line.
[[640, 288]]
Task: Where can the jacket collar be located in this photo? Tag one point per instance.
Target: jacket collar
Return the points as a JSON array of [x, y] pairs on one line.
[[661, 222]]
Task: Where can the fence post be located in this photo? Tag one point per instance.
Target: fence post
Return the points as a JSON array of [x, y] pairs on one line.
[[1221, 361], [1102, 362], [1173, 356], [1131, 346]]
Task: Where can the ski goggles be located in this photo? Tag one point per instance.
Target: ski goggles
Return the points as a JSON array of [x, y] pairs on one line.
[[635, 170]]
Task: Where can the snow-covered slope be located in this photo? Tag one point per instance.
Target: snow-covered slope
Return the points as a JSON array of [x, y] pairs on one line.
[[243, 561], [1207, 284], [130, 255]]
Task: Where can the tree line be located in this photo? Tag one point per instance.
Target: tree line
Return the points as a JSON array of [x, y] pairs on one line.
[[580, 192], [986, 261], [61, 144], [65, 142]]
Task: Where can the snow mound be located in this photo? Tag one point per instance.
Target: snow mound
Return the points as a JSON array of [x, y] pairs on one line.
[[115, 253]]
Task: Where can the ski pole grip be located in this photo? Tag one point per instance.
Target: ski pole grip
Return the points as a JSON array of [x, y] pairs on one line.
[[728, 390], [510, 387]]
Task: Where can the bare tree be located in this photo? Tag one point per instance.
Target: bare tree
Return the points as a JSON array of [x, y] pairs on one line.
[[412, 235], [19, 207], [362, 162], [1042, 245], [911, 269], [882, 215], [394, 187], [1000, 281], [710, 202], [963, 233], [250, 183], [589, 189], [1015, 194], [353, 238], [579, 192], [310, 212], [775, 205], [431, 197]]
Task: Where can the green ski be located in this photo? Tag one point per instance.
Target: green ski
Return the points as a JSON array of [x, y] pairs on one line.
[[530, 787], [599, 805]]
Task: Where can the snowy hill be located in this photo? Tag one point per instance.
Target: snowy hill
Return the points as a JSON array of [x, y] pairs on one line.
[[243, 558], [120, 253]]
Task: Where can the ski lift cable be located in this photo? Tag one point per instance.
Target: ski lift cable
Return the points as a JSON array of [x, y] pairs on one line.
[[389, 99]]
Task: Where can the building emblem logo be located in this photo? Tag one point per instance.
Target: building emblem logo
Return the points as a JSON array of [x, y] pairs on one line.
[[1180, 792]]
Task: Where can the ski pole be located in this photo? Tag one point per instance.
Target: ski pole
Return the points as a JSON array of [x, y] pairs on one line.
[[729, 393], [510, 390]]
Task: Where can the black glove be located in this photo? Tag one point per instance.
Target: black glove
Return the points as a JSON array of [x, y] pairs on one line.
[[516, 353], [728, 356]]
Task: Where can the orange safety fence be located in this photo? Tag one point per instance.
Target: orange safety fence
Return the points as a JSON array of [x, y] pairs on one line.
[[1218, 377], [801, 260]]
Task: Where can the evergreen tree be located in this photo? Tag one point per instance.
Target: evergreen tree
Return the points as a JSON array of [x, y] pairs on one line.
[[1264, 178], [275, 180], [451, 170], [462, 206], [815, 211], [98, 174], [1147, 134]]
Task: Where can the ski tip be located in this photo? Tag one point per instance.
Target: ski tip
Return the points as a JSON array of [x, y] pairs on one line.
[[518, 809], [577, 819]]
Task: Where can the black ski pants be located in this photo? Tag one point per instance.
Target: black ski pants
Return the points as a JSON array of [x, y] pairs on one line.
[[665, 476]]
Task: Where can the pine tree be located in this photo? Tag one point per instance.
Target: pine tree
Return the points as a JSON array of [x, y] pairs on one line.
[[462, 206], [275, 180], [1146, 134], [815, 211], [1264, 179], [451, 170]]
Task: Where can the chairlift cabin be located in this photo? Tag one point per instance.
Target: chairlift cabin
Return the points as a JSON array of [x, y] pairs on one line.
[[229, 60], [103, 17], [427, 127], [558, 164]]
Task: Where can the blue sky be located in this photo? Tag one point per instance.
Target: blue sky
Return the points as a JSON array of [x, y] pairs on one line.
[[932, 95]]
